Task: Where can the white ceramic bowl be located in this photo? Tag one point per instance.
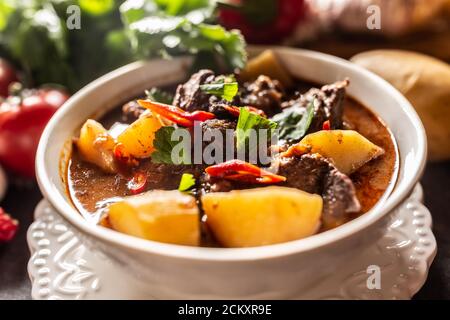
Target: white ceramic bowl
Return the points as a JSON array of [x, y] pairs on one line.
[[276, 271]]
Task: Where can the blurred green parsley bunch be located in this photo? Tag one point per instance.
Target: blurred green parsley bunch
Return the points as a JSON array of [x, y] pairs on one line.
[[39, 37]]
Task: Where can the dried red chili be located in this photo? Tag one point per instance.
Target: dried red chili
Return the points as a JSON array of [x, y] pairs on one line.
[[235, 111], [239, 170], [175, 114], [326, 125], [138, 183]]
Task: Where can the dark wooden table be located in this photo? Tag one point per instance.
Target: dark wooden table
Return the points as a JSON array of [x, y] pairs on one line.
[[14, 282]]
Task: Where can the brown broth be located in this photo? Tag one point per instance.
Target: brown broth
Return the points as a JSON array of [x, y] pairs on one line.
[[371, 180]]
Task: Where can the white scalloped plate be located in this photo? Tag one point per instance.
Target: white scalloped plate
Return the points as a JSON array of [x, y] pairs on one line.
[[62, 268]]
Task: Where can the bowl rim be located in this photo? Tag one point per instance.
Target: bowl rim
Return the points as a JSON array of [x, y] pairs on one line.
[[111, 237]]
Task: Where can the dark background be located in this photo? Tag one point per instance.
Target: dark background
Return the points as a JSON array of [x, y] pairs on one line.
[[20, 201]]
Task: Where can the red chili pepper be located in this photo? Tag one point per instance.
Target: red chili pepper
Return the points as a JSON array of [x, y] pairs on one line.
[[138, 183], [243, 171], [123, 157], [326, 125], [199, 115], [175, 114], [235, 111]]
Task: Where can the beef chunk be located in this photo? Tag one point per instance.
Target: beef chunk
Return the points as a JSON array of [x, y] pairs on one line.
[[305, 173], [218, 124], [189, 96], [167, 176], [328, 106], [314, 174], [339, 199], [214, 127], [218, 108], [212, 184], [215, 184], [264, 93]]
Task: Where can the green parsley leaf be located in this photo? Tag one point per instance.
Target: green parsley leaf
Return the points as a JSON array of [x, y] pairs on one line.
[[158, 95], [248, 120], [187, 182], [36, 38], [164, 145], [227, 44], [222, 88], [294, 123], [174, 28]]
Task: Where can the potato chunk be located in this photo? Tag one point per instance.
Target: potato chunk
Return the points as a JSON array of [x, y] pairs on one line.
[[262, 216], [266, 63], [138, 138], [95, 145], [347, 149], [165, 216]]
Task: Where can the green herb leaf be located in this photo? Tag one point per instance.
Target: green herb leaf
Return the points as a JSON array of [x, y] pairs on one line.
[[35, 37], [248, 120], [230, 45], [173, 28], [43, 39], [96, 7], [182, 7], [187, 182], [164, 145], [158, 95], [294, 123], [225, 87]]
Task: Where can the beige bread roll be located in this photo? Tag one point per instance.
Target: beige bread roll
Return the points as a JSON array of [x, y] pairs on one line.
[[425, 82]]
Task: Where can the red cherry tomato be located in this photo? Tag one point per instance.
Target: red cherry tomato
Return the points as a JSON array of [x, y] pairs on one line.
[[7, 76], [21, 126]]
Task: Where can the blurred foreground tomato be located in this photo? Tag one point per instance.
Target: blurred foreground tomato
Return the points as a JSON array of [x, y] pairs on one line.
[[22, 120], [262, 21], [7, 76]]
